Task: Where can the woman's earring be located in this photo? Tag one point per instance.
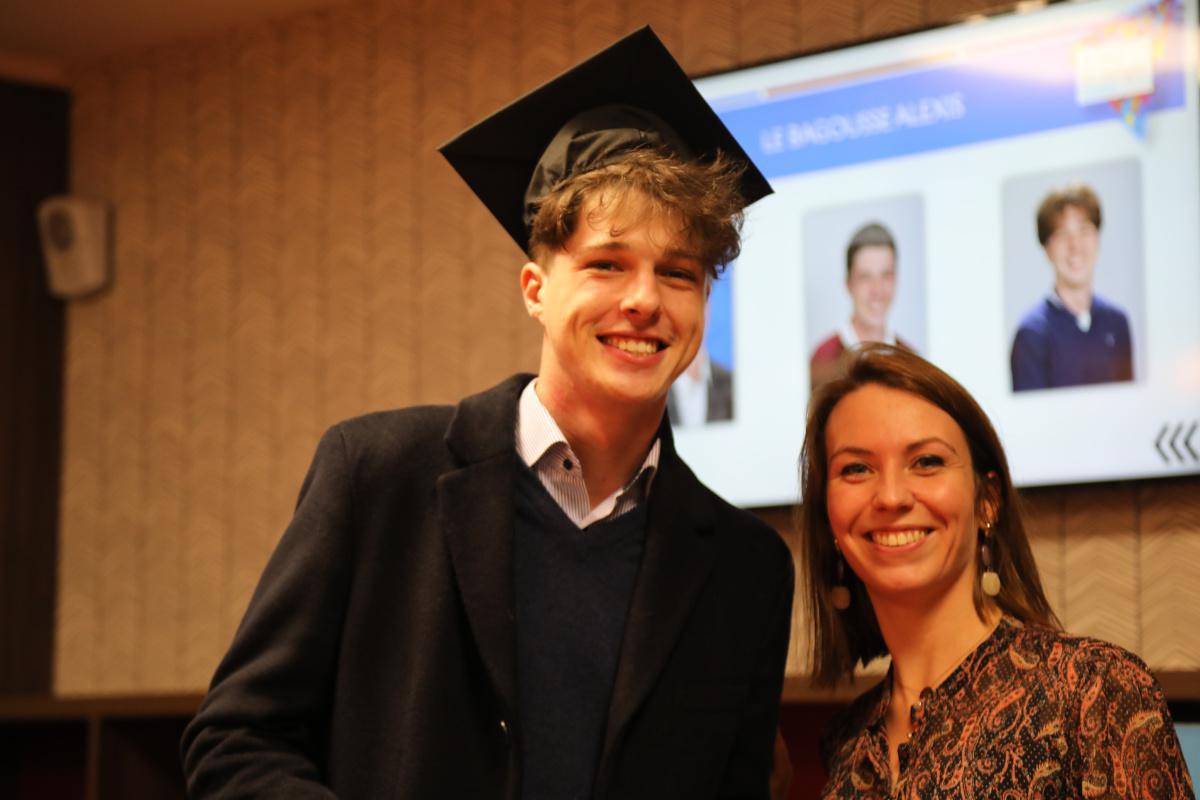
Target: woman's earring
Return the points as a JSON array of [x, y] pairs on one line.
[[839, 596], [990, 580]]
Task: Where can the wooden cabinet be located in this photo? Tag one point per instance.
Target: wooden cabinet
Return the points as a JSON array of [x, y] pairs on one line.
[[94, 749]]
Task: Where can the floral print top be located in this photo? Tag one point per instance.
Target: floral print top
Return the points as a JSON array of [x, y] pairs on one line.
[[1031, 713]]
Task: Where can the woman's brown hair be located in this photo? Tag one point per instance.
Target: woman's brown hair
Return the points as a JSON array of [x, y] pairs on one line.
[[841, 639]]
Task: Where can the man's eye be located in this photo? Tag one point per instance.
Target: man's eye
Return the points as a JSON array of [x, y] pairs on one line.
[[603, 266], [681, 275]]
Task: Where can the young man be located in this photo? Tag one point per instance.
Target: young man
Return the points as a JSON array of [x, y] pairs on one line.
[[871, 284], [1072, 337], [702, 394], [529, 595]]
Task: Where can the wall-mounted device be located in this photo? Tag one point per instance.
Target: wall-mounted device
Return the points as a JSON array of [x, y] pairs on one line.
[[75, 243]]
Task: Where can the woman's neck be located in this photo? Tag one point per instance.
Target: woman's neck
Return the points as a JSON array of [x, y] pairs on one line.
[[927, 643]]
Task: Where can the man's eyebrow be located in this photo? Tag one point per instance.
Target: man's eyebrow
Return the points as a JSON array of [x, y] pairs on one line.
[[617, 245], [684, 254], [610, 244]]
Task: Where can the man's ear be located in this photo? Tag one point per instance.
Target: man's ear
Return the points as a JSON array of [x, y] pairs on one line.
[[533, 280]]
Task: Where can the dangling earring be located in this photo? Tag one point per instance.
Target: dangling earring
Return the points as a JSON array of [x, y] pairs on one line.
[[990, 580], [839, 596]]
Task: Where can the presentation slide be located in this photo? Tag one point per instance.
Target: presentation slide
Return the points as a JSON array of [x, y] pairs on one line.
[[1017, 200]]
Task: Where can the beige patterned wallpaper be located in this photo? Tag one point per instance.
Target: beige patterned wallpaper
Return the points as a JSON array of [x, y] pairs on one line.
[[290, 251]]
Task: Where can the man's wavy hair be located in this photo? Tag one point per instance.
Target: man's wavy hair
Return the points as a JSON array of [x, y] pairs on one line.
[[702, 197], [1077, 195], [839, 640]]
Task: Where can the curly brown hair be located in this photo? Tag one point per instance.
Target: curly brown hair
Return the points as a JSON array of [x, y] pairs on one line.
[[702, 196], [1078, 195]]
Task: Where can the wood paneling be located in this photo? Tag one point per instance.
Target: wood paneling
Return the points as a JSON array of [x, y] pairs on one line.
[[889, 17], [291, 250], [1169, 545], [824, 25]]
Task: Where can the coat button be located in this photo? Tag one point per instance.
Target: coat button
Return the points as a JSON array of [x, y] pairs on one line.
[[504, 730]]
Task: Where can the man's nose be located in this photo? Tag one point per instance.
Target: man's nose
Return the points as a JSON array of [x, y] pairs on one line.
[[642, 300]]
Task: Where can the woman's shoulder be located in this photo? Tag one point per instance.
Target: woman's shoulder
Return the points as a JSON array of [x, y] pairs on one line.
[[1076, 658], [1114, 715]]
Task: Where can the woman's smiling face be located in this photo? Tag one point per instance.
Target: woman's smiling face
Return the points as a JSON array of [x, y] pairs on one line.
[[902, 495]]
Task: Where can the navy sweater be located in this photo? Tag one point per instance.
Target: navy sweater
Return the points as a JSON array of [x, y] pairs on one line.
[[1050, 350], [572, 591]]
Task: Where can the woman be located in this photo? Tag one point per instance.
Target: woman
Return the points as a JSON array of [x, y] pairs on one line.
[[915, 547]]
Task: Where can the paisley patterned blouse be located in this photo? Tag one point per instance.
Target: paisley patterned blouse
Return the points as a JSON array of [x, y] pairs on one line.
[[1031, 713]]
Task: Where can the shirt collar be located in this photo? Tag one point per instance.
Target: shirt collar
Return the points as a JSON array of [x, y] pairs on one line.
[[849, 336], [538, 433], [1083, 321]]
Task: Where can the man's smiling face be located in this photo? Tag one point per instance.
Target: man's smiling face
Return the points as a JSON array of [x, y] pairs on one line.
[[1073, 249], [872, 285], [621, 305]]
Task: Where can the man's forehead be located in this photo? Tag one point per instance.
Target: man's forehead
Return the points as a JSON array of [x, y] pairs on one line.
[[613, 218], [1073, 214], [873, 257]]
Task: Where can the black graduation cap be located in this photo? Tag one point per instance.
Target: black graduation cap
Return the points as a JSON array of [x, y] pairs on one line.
[[630, 94]]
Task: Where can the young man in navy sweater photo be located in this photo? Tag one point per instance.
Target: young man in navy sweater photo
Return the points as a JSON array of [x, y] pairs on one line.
[[1073, 336]]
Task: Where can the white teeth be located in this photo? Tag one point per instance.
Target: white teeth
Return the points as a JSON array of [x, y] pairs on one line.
[[640, 347], [898, 538]]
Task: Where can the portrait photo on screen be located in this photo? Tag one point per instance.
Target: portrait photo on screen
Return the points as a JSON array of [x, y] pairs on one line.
[[864, 278], [703, 393], [1073, 276]]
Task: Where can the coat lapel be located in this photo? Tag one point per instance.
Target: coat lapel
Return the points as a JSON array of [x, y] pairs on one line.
[[476, 505], [677, 559]]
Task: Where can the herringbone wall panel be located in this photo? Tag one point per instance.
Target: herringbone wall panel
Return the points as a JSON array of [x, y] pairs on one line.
[[291, 251], [1169, 518]]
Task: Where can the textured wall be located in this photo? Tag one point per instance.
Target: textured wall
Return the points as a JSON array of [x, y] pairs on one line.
[[291, 251]]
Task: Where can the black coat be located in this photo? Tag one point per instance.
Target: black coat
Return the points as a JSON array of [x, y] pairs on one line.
[[377, 657]]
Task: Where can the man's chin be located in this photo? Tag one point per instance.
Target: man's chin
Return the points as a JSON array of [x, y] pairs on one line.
[[1082, 283], [636, 395]]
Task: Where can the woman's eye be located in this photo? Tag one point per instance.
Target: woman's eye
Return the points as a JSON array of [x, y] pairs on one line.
[[929, 462], [852, 469]]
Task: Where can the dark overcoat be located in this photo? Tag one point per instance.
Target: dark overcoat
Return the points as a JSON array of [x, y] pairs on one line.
[[377, 656]]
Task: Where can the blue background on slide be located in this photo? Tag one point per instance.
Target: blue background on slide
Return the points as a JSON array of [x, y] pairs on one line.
[[718, 336]]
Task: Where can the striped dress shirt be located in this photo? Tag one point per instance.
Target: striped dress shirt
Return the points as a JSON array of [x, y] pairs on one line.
[[544, 449]]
